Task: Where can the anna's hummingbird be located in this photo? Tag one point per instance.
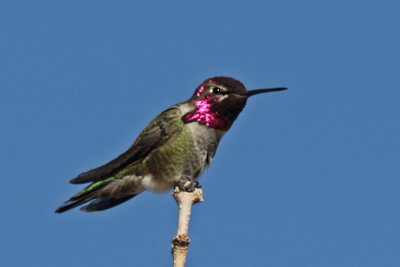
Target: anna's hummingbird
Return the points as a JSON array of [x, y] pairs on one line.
[[174, 148]]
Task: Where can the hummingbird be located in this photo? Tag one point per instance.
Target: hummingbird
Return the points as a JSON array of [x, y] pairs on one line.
[[174, 149]]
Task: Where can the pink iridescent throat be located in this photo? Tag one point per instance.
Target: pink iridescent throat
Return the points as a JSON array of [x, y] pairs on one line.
[[204, 114]]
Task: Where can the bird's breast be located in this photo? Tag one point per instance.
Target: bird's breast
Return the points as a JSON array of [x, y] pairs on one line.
[[205, 142]]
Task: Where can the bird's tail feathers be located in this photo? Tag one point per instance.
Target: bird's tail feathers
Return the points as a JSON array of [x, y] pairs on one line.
[[84, 196], [104, 203]]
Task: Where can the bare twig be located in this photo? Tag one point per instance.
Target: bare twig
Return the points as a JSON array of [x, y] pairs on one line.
[[185, 201]]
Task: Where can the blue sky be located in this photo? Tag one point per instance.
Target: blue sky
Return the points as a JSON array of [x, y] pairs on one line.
[[305, 177]]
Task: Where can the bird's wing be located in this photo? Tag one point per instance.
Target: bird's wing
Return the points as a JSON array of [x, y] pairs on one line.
[[157, 133]]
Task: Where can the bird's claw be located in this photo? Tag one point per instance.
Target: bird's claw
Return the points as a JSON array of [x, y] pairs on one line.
[[187, 184]]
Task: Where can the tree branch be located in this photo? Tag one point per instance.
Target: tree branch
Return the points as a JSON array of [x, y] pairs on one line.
[[185, 201]]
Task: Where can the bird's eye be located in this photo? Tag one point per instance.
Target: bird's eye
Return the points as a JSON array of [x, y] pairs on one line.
[[217, 90]]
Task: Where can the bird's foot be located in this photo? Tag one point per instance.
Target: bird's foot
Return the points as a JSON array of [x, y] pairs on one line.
[[188, 184]]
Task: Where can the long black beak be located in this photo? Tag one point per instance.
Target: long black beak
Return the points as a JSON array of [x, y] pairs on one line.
[[259, 91]]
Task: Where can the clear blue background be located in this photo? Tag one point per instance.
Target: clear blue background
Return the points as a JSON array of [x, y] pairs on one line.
[[305, 177]]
